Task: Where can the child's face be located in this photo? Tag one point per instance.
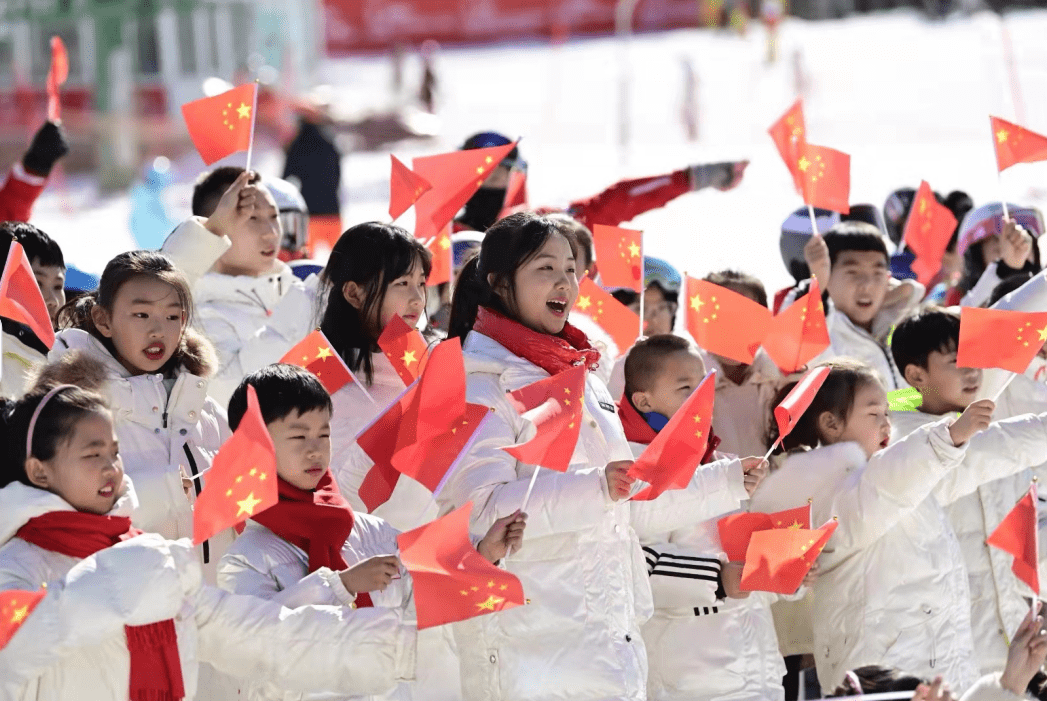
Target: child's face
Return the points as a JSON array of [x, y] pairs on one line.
[[145, 325], [657, 312], [303, 447], [256, 240], [86, 470], [404, 297], [858, 285], [677, 378], [868, 423], [51, 280], [546, 287], [945, 387]]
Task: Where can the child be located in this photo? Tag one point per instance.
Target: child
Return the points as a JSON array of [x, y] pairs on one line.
[[582, 566], [130, 340], [125, 617], [252, 306], [892, 588], [701, 643], [311, 548], [924, 347], [994, 248], [853, 268], [22, 349]]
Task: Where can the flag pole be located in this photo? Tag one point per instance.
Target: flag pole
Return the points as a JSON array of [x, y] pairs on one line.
[[814, 220], [530, 487], [1035, 604], [1006, 384], [254, 120], [643, 288]]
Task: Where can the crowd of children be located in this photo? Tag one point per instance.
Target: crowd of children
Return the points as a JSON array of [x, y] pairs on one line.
[[109, 434]]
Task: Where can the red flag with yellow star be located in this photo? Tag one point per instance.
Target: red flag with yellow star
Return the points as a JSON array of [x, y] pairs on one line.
[[1015, 144], [1018, 536], [778, 559], [404, 347], [443, 262], [554, 407], [425, 431], [15, 607], [825, 177], [451, 580], [223, 124], [314, 353], [20, 297], [619, 253], [621, 323], [788, 413], [799, 333], [995, 338], [927, 232], [670, 460], [737, 530], [789, 132], [724, 322], [242, 479], [56, 77], [405, 187]]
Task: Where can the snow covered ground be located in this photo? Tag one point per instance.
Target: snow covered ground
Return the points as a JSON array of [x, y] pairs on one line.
[[907, 98]]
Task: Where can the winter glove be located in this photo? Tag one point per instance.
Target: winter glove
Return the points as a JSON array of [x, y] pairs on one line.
[[722, 176], [48, 146]]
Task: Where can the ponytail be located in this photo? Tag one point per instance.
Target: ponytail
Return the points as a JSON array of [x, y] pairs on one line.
[[471, 293]]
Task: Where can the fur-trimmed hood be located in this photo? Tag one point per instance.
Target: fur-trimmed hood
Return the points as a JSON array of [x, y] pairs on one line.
[[91, 361]]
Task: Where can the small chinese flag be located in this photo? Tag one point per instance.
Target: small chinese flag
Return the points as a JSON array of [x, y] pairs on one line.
[[799, 333], [788, 413], [1017, 535], [20, 298], [927, 232], [440, 246], [1015, 144], [619, 253], [789, 133], [314, 353], [737, 530], [56, 77], [455, 177], [15, 607], [994, 338], [404, 347], [777, 560], [724, 322], [425, 431], [242, 478], [405, 187], [825, 177], [670, 460], [554, 407], [452, 581], [223, 124], [621, 323]]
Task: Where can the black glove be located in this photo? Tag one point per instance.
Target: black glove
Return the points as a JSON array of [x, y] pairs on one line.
[[48, 146], [719, 175]]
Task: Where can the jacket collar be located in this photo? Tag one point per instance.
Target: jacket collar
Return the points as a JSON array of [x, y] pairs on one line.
[[264, 290], [20, 502]]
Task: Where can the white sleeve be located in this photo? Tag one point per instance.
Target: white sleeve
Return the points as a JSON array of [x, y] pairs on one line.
[[715, 489], [194, 249], [982, 290], [988, 689], [238, 575], [681, 577]]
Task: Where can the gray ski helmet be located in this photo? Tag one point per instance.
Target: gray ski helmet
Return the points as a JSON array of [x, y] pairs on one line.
[[896, 212], [796, 231], [294, 214], [868, 213]]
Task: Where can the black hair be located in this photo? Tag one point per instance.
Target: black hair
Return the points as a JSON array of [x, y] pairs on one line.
[[875, 679], [742, 283], [54, 426], [836, 396], [211, 186], [372, 255], [38, 246], [855, 236], [645, 359], [1008, 285], [626, 296], [923, 332], [974, 264], [507, 246], [582, 235], [281, 389]]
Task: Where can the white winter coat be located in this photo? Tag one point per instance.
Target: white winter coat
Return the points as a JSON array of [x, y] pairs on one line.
[[73, 645], [893, 587], [252, 321], [263, 564], [581, 565], [161, 437], [19, 360]]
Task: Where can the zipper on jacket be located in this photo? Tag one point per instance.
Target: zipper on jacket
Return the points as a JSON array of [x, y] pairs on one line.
[[197, 486]]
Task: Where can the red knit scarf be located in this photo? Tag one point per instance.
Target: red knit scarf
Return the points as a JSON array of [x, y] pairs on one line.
[[156, 670], [319, 522], [554, 354], [637, 430]]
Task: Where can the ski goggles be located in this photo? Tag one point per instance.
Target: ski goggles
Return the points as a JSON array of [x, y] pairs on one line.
[[987, 220], [490, 139]]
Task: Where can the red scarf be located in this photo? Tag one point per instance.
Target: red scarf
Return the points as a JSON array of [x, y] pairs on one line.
[[156, 670], [554, 354], [637, 430], [319, 522]]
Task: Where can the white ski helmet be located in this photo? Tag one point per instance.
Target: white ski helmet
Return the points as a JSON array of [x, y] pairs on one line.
[[294, 215]]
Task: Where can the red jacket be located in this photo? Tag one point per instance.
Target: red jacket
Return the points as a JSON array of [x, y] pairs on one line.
[[628, 199], [18, 193]]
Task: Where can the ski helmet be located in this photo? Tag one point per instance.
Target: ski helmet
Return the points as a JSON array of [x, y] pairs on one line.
[[490, 139], [659, 272], [294, 214], [987, 220], [796, 230]]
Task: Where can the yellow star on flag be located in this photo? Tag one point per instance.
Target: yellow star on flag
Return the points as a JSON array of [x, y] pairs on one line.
[[324, 353], [19, 614], [247, 505], [634, 250], [445, 243], [803, 164], [1001, 135], [584, 303], [1043, 333], [408, 358], [490, 603], [244, 111], [697, 303], [795, 526]]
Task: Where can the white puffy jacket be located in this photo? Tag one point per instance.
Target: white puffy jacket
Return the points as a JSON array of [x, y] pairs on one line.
[[893, 587], [73, 645], [581, 565], [252, 321], [19, 359], [161, 436]]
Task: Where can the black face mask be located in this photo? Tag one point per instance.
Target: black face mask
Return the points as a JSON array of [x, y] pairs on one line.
[[483, 208]]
